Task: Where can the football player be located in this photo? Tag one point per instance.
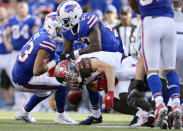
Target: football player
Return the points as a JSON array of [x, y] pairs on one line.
[[98, 70], [20, 29], [30, 68], [156, 47], [87, 28], [5, 56]]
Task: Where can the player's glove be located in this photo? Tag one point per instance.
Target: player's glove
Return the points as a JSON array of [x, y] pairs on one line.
[[108, 100], [67, 55]]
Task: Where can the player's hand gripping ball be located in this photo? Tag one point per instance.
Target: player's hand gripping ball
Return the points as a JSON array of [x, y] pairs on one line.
[[74, 96]]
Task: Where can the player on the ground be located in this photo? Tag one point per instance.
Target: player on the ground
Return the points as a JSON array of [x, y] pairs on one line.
[[160, 46], [30, 68], [98, 71]]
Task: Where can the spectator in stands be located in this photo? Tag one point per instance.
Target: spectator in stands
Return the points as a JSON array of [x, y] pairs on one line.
[[111, 16]]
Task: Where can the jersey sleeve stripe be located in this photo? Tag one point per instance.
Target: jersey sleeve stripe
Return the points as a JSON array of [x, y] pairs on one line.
[[90, 20], [93, 22], [45, 46], [49, 43]]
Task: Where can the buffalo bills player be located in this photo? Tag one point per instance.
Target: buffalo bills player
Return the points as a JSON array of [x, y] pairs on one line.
[[87, 28], [5, 56], [19, 30], [160, 46], [30, 68]]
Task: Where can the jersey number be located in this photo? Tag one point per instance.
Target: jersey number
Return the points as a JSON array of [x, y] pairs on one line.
[[16, 32], [23, 58], [145, 2]]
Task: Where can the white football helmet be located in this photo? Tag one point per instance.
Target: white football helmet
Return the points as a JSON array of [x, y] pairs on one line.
[[51, 24], [68, 14]]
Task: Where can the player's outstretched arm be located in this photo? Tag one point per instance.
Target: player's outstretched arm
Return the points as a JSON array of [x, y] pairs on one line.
[[95, 41], [40, 65], [6, 36], [68, 45], [108, 70]]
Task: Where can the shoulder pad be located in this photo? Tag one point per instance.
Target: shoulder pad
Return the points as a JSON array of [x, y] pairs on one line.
[[84, 67]]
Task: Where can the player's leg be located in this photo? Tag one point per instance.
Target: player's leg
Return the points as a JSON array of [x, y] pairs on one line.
[[96, 111], [34, 100], [151, 50], [60, 98], [41, 86], [169, 61]]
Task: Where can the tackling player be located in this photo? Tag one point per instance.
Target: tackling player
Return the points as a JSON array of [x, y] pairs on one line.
[[30, 68], [156, 47], [86, 28]]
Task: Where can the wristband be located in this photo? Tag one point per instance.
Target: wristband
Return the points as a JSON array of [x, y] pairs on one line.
[[51, 64], [76, 53]]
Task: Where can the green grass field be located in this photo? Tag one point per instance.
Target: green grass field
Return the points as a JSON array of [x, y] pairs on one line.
[[111, 122]]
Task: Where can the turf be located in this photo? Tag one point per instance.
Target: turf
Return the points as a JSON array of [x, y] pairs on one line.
[[111, 122]]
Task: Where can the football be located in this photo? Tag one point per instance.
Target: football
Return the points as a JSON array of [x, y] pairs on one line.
[[74, 96]]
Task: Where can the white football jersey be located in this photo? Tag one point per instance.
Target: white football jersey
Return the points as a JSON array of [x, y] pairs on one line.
[[124, 69]]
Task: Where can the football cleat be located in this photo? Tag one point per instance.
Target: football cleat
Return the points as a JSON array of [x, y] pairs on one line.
[[150, 119], [161, 114], [177, 117], [142, 118], [22, 115], [63, 118], [91, 120], [134, 120]]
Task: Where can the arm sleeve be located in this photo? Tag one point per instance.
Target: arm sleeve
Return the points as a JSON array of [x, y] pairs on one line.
[[48, 45], [88, 23]]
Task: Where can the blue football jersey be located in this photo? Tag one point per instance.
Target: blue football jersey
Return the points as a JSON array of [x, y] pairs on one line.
[[2, 46], [87, 23], [23, 68], [21, 30], [155, 8]]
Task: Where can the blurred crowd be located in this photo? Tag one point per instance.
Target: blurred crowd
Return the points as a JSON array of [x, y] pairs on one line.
[[115, 14]]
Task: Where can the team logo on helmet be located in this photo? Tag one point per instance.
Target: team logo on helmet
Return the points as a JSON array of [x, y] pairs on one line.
[[70, 8]]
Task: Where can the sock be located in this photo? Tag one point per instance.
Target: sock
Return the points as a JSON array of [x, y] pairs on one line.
[[96, 113], [166, 96], [155, 85], [174, 87], [181, 102], [60, 97], [34, 100], [95, 102]]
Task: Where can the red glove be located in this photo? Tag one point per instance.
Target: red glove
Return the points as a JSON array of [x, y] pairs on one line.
[[108, 100]]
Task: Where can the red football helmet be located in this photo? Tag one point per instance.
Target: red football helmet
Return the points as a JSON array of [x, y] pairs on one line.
[[67, 73]]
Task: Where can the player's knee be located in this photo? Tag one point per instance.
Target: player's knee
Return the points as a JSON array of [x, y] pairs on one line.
[[43, 94], [137, 84]]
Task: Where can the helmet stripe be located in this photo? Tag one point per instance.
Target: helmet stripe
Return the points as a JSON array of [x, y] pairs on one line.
[[58, 8], [73, 6]]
